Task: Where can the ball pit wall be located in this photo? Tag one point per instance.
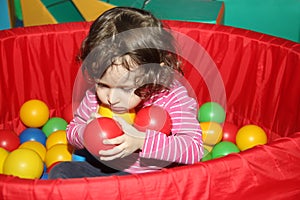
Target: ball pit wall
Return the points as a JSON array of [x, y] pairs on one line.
[[261, 75]]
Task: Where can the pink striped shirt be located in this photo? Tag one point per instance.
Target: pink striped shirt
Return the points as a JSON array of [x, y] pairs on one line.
[[183, 146]]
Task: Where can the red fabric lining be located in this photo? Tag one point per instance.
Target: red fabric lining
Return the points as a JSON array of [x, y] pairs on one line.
[[261, 77]]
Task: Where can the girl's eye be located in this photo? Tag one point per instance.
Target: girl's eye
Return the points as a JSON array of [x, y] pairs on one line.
[[101, 85], [128, 90]]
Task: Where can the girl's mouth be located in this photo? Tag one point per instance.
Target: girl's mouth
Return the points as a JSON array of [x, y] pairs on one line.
[[119, 110]]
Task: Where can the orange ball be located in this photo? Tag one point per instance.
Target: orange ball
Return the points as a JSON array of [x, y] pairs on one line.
[[105, 111], [211, 132], [58, 153], [249, 136], [24, 163], [57, 137], [34, 113], [38, 147], [3, 155]]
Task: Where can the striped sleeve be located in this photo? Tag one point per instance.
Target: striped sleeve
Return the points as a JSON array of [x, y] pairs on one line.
[[184, 145], [76, 127]]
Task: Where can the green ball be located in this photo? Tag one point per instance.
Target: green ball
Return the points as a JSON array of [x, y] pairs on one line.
[[211, 112], [206, 155], [223, 149], [54, 124]]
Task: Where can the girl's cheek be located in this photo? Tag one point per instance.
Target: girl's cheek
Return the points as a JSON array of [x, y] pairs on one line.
[[101, 96]]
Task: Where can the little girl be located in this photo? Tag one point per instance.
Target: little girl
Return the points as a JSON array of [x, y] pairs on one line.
[[132, 59]]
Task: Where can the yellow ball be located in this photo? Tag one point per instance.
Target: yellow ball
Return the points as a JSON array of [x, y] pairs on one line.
[[38, 147], [3, 155], [24, 163], [34, 113], [211, 132], [58, 153], [249, 136], [208, 147], [57, 137], [105, 111]]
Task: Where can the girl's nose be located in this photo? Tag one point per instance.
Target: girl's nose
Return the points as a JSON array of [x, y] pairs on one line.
[[112, 97]]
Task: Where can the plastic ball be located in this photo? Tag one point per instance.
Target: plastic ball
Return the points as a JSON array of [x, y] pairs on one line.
[[24, 163], [45, 173], [129, 117], [35, 146], [98, 130], [153, 118], [3, 155], [211, 132], [58, 153], [78, 158], [57, 137], [206, 156], [33, 134], [229, 132], [249, 136], [211, 112], [54, 124], [223, 149], [34, 113], [208, 147], [9, 140]]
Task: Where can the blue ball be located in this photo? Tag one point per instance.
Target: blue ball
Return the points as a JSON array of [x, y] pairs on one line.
[[33, 134]]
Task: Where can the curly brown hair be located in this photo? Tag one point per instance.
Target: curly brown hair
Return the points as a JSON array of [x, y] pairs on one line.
[[124, 31]]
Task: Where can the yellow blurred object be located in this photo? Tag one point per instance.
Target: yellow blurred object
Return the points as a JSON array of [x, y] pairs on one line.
[[3, 155], [211, 132], [104, 111], [23, 163], [58, 153], [35, 13], [57, 137], [249, 136], [91, 9], [38, 147]]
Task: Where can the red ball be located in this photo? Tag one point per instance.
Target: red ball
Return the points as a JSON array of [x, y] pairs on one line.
[[9, 140], [153, 118], [98, 130], [229, 132]]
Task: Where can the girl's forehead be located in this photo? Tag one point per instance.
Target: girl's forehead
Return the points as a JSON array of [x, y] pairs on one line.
[[118, 76]]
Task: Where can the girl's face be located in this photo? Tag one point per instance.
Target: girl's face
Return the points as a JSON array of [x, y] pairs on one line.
[[116, 89]]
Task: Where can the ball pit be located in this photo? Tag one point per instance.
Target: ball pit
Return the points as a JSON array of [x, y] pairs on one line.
[[261, 78]]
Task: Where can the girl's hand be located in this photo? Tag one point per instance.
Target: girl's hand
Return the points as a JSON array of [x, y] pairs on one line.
[[129, 142]]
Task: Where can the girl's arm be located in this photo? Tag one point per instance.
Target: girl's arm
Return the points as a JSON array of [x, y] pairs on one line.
[[184, 145], [83, 113]]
